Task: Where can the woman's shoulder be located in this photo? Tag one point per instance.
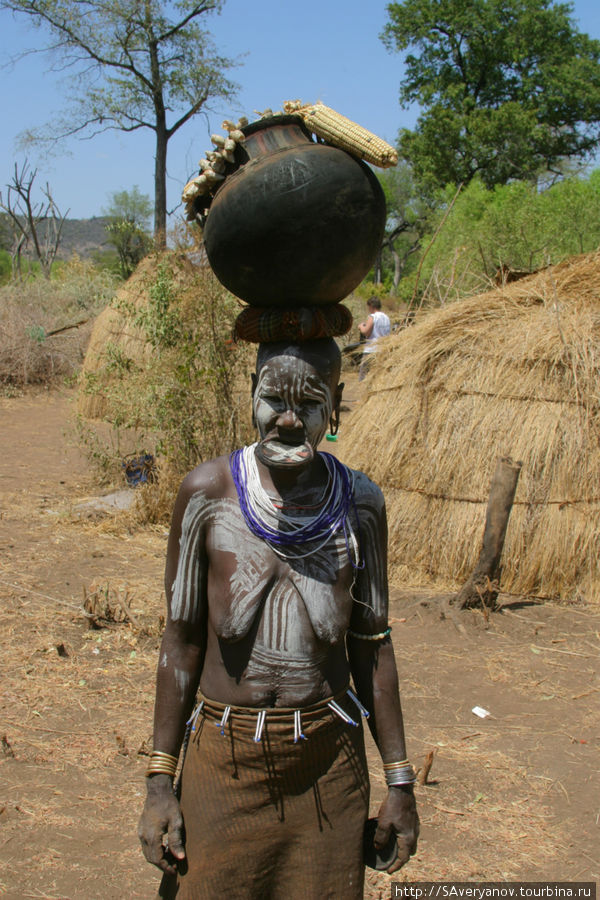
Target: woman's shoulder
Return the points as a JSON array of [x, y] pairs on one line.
[[366, 492]]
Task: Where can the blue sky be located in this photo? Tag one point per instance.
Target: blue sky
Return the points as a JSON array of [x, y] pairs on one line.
[[325, 50]]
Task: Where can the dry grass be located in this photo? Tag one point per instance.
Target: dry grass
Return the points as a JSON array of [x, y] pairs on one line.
[[45, 325], [162, 370], [513, 372], [114, 326], [117, 336]]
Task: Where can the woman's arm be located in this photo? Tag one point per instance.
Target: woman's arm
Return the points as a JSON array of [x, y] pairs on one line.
[[366, 327], [180, 666], [373, 667]]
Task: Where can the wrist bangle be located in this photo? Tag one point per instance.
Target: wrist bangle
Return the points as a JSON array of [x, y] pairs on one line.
[[403, 775], [396, 765], [399, 773], [161, 764]]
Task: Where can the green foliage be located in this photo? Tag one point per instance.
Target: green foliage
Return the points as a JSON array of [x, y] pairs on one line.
[[5, 267], [130, 206], [508, 87], [131, 244], [130, 212], [190, 401], [408, 211], [36, 333], [513, 227], [160, 319], [5, 232]]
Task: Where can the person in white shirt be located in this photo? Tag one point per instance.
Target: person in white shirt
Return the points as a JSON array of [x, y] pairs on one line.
[[376, 325]]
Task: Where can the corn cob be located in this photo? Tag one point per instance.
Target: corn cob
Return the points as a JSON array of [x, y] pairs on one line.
[[336, 129]]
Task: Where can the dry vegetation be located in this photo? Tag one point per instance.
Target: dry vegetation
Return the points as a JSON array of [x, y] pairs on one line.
[[45, 325], [513, 372]]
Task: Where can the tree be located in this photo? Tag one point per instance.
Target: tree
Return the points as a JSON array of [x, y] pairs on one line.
[[508, 87], [408, 211], [129, 212], [140, 62], [40, 223], [130, 206]]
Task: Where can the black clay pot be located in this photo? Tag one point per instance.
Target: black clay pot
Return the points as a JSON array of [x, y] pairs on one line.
[[298, 223]]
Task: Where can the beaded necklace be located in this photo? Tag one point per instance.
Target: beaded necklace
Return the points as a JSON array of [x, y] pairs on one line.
[[279, 529]]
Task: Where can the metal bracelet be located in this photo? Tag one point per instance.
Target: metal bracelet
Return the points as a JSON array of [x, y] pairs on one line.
[[405, 775]]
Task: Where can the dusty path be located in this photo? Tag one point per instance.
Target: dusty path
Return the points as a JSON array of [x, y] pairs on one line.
[[513, 796]]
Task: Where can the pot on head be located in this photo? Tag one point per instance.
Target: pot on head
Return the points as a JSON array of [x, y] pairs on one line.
[[297, 223]]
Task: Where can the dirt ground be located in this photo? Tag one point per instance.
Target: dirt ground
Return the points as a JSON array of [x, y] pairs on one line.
[[513, 796]]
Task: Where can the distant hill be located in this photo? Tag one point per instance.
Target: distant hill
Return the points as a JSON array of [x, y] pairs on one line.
[[83, 237]]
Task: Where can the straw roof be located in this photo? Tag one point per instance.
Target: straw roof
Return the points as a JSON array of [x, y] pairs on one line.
[[114, 328], [512, 372]]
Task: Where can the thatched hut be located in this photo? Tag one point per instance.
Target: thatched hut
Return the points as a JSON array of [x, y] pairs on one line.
[[512, 372]]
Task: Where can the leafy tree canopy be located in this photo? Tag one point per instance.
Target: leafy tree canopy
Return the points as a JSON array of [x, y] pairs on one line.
[[509, 88], [129, 212], [130, 206]]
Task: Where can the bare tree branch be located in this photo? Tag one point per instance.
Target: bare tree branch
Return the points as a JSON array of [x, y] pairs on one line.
[[26, 217]]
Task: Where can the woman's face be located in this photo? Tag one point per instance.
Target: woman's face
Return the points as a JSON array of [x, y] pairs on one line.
[[292, 406]]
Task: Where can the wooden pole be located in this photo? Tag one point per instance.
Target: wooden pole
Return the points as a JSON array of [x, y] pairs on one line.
[[482, 587]]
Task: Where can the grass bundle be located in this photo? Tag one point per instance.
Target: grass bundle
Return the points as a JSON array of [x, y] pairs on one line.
[[45, 325], [512, 372], [115, 332]]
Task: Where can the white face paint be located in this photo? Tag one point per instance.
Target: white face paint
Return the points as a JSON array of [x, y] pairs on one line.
[[292, 406], [182, 680]]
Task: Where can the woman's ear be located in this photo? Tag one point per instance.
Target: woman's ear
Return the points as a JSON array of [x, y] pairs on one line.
[[334, 419]]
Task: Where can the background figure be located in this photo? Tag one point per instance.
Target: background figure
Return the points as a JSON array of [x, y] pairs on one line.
[[376, 325]]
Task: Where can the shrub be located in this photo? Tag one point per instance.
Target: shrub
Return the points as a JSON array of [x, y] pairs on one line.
[[514, 227], [5, 267]]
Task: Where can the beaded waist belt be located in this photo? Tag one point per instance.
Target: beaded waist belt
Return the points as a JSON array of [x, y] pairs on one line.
[[250, 717], [247, 716]]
